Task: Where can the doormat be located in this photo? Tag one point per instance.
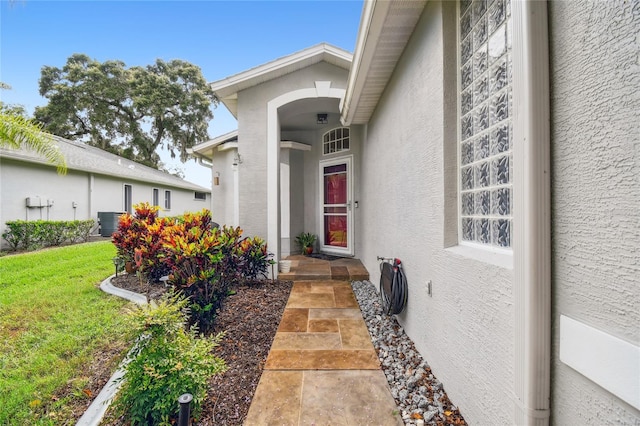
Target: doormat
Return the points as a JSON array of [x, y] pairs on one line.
[[323, 256]]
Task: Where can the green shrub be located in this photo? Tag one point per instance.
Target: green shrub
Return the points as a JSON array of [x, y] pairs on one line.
[[51, 233], [30, 235], [168, 361], [254, 258]]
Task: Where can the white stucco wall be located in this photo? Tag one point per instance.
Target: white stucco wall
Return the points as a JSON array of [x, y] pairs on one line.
[[297, 190], [408, 181], [92, 193], [595, 107], [21, 180], [108, 195], [222, 195], [252, 137]]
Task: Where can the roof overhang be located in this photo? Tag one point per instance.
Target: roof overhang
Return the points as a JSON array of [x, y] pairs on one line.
[[206, 149], [385, 29], [228, 88]]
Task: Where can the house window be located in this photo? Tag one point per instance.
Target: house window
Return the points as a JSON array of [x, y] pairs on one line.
[[485, 130], [335, 140], [156, 197], [200, 195], [167, 200], [128, 200]]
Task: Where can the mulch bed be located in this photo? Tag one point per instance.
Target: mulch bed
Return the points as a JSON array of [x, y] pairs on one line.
[[249, 318]]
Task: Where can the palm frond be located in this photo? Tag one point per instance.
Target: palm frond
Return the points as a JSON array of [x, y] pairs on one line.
[[17, 132]]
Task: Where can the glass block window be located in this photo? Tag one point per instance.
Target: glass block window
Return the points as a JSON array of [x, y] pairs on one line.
[[335, 140], [485, 130]]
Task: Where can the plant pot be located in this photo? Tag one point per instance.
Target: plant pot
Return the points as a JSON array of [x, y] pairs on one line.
[[284, 266], [308, 250]]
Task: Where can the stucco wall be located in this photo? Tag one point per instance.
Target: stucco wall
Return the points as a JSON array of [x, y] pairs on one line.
[[595, 107], [465, 330], [297, 189], [92, 193], [252, 137], [108, 195], [21, 180], [222, 195]]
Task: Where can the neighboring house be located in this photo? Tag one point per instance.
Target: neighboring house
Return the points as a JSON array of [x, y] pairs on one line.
[[493, 147], [97, 181]]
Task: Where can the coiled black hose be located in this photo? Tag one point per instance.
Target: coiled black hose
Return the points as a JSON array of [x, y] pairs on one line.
[[393, 286]]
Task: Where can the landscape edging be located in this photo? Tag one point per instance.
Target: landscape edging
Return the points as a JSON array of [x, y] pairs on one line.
[[98, 408]]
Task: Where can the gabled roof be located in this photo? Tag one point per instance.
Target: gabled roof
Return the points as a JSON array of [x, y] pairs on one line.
[[86, 158], [385, 29], [227, 89]]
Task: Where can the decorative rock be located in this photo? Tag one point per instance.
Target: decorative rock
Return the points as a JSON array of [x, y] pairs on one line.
[[423, 402], [429, 415], [407, 373]]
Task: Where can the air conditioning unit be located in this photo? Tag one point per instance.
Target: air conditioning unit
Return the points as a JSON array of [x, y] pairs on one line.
[[34, 202]]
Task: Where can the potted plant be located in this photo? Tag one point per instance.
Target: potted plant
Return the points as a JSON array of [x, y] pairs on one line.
[[306, 241]]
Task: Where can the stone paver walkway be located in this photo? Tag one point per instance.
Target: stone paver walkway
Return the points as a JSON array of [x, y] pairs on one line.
[[322, 368]]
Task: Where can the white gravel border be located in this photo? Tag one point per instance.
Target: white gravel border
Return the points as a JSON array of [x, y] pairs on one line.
[[415, 389]]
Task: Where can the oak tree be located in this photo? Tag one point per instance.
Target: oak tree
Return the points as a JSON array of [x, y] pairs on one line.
[[129, 111]]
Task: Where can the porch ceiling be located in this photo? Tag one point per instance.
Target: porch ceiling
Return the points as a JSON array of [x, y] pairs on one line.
[[302, 114]]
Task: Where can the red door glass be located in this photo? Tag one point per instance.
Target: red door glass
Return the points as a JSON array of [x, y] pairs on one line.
[[335, 205]]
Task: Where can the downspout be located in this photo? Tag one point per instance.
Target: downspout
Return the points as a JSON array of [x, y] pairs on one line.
[[532, 210], [204, 162]]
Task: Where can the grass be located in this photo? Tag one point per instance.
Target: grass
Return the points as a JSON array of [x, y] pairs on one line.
[[54, 322]]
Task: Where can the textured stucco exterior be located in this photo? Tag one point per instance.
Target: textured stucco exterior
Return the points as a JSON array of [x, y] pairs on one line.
[[252, 137], [465, 330], [595, 107], [405, 161], [222, 195], [91, 192]]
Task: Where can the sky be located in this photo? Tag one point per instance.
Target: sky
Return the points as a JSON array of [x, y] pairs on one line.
[[221, 37]]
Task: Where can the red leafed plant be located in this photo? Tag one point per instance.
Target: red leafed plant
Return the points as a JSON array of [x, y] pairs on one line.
[[254, 259], [142, 233], [201, 261], [192, 254]]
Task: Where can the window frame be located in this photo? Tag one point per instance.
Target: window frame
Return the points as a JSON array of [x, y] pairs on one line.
[[155, 197], [196, 193], [127, 201], [167, 199], [327, 141]]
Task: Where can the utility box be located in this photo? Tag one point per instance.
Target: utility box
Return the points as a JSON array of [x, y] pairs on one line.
[[33, 202], [108, 222]]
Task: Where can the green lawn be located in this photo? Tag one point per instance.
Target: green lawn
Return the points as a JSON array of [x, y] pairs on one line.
[[54, 320]]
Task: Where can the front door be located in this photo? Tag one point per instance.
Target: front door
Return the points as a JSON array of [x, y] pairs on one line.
[[337, 214]]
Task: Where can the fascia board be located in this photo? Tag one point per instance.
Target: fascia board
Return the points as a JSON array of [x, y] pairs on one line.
[[378, 26], [210, 144], [374, 14], [229, 86]]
